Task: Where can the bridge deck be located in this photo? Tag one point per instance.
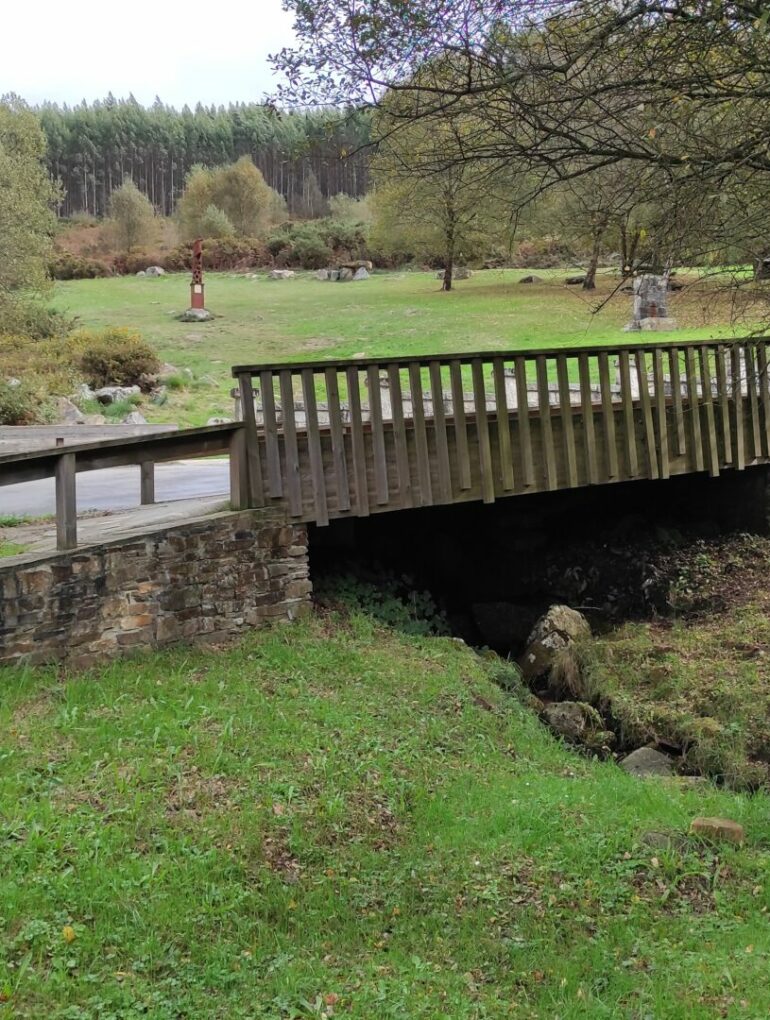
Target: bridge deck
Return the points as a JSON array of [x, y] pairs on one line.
[[337, 439]]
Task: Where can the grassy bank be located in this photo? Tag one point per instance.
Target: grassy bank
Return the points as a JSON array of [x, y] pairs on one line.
[[392, 313], [332, 820]]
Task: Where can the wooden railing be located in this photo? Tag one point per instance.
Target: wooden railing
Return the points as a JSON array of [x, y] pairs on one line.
[[64, 462], [341, 438]]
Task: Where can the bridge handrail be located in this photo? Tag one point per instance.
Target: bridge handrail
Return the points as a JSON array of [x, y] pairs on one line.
[[63, 463]]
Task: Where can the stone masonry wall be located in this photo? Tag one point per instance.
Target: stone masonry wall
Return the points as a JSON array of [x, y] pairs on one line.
[[208, 578]]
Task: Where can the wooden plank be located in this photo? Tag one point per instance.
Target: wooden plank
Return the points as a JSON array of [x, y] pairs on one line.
[[546, 426], [646, 406], [587, 411], [239, 477], [482, 430], [357, 441], [503, 425], [737, 389], [146, 482], [439, 424], [608, 416], [314, 447], [337, 429], [629, 427], [764, 389], [680, 436], [567, 426], [382, 494], [724, 405], [660, 414], [420, 436], [693, 410], [256, 489], [461, 429], [291, 451], [522, 408], [66, 503], [272, 444], [406, 496], [751, 382], [710, 440]]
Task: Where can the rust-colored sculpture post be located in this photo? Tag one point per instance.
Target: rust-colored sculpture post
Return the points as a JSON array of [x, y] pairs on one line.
[[196, 287]]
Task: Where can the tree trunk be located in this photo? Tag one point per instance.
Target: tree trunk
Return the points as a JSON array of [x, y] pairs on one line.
[[590, 281], [449, 259]]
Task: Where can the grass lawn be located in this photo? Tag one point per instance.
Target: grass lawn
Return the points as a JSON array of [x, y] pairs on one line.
[[392, 313], [334, 820]]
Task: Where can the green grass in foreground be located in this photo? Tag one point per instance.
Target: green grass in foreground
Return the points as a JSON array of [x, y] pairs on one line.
[[10, 548], [333, 820], [395, 313]]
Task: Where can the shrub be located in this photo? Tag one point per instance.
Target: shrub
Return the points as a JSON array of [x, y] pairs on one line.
[[117, 357], [66, 266], [221, 253], [215, 223], [22, 404]]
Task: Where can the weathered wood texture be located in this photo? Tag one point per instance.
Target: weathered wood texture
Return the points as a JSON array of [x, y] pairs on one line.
[[371, 436]]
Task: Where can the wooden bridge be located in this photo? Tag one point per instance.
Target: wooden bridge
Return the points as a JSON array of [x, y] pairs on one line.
[[335, 439]]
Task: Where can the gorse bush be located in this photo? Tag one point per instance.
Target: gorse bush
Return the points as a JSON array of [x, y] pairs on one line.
[[22, 404], [66, 266], [117, 357]]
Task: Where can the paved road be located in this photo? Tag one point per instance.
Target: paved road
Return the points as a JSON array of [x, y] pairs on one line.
[[118, 488]]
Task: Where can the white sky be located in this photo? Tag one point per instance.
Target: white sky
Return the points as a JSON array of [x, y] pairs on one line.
[[183, 52]]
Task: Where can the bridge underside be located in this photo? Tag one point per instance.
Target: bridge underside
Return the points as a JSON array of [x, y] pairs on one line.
[[324, 474]]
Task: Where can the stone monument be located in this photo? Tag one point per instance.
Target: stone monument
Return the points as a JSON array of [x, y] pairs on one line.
[[650, 305]]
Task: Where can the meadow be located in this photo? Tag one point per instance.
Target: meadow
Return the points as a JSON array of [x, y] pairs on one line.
[[391, 313]]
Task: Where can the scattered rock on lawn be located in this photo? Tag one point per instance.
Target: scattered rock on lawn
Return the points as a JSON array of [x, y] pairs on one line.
[[345, 275], [458, 273], [95, 419], [531, 279], [141, 273], [219, 421], [573, 281], [195, 315], [155, 271], [572, 719], [67, 413], [84, 392], [557, 630], [724, 829], [112, 394], [361, 274], [282, 274], [135, 418], [646, 761]]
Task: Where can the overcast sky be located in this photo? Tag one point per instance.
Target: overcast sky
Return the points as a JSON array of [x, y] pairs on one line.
[[183, 52]]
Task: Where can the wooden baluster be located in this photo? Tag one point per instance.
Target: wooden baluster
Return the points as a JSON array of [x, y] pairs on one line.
[[608, 416], [503, 425], [420, 435], [751, 382], [337, 429], [256, 489], [461, 428], [357, 442], [482, 430], [439, 422], [291, 450], [239, 475], [66, 502], [660, 413], [272, 443], [378, 436], [724, 405], [567, 426], [546, 427], [694, 410], [146, 482], [646, 406], [708, 405], [399, 436], [314, 447], [525, 433], [676, 399], [764, 391], [587, 411], [629, 426], [737, 388]]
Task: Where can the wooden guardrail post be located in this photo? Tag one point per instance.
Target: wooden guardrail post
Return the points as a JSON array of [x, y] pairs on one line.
[[239, 475], [147, 482], [253, 463], [66, 503]]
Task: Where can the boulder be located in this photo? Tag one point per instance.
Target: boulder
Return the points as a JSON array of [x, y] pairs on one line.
[[112, 394], [135, 418], [83, 392], [503, 624], [166, 370], [573, 281], [67, 413], [196, 315], [458, 273], [357, 264], [323, 274], [361, 274], [345, 275], [724, 829], [95, 419], [573, 720], [141, 273], [155, 271], [159, 396], [646, 761], [282, 274], [531, 279], [219, 421], [557, 630]]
